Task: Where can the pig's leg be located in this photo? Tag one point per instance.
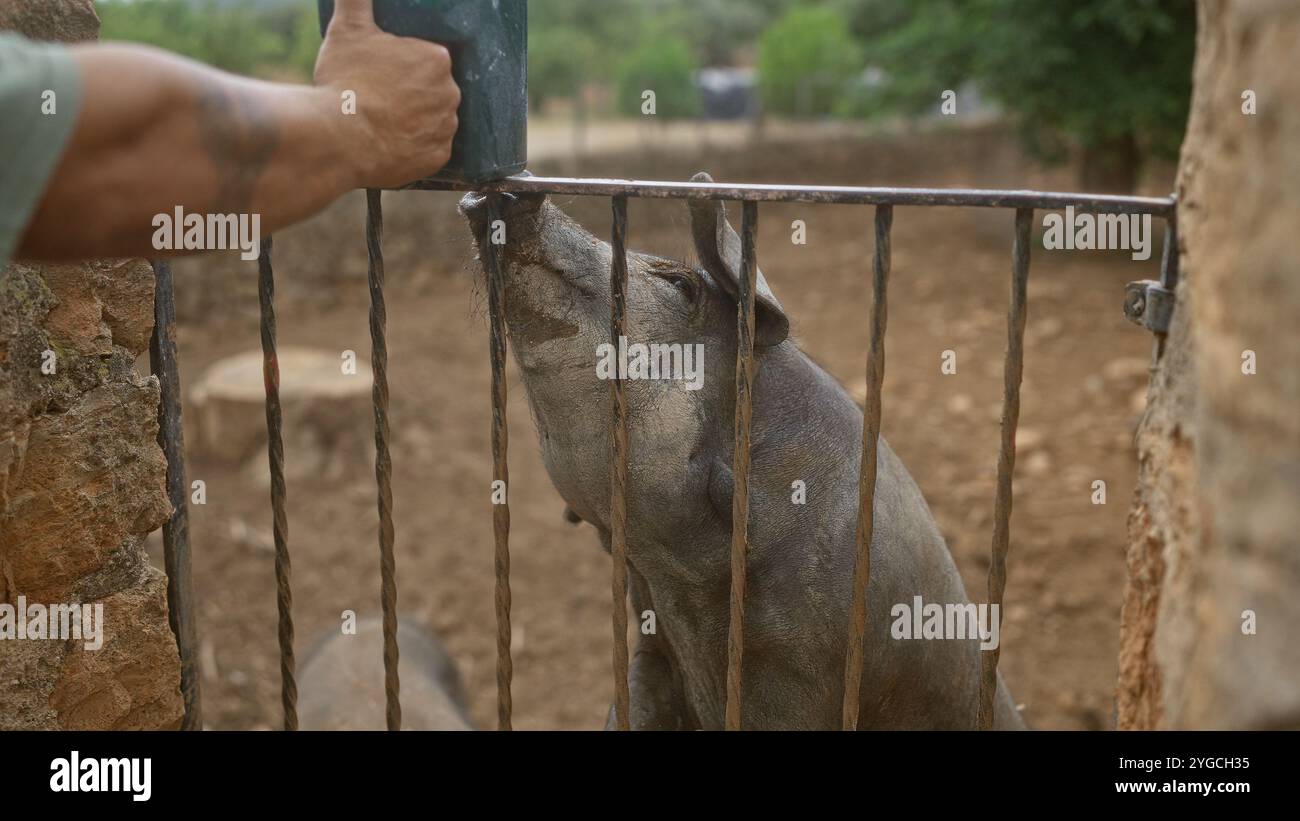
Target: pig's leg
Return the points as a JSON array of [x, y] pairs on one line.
[[656, 704], [1005, 714], [656, 695]]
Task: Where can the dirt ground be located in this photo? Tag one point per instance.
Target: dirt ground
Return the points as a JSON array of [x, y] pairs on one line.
[[1085, 377]]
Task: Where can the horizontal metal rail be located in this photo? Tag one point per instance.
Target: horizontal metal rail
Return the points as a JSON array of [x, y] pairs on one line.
[[758, 192]]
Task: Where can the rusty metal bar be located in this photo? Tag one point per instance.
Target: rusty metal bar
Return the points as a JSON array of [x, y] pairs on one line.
[[753, 192], [1013, 370], [867, 470], [176, 531], [618, 466], [383, 462], [1168, 274], [275, 456], [500, 468], [1169, 257], [740, 460]]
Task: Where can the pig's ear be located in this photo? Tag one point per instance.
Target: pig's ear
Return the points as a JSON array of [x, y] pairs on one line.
[[718, 246]]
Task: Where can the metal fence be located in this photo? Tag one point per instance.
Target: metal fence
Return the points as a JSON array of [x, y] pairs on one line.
[[1146, 302]]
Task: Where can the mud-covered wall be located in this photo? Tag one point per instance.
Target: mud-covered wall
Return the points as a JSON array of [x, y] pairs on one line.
[[1212, 606], [81, 475]]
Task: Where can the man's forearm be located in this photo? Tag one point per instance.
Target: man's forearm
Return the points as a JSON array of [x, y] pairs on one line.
[[156, 132]]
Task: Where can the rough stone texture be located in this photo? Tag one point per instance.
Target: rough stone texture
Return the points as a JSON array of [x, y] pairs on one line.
[[67, 21], [118, 686], [82, 479], [1216, 525], [1163, 525], [84, 485]]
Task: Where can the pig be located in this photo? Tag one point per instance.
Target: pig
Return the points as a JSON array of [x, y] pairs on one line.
[[806, 427], [341, 681]]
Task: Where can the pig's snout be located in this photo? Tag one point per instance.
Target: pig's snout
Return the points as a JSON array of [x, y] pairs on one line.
[[514, 209]]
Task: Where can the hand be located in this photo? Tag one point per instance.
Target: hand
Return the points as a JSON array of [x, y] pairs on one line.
[[406, 100]]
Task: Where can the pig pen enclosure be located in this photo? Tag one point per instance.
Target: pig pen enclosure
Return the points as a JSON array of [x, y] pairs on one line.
[[849, 265]]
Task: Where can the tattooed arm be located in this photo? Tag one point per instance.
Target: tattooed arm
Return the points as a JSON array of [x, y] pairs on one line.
[[155, 131]]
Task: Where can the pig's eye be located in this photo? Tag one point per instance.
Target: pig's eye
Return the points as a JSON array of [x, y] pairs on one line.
[[684, 285]]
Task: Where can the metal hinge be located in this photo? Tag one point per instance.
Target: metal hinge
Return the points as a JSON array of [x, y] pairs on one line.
[[1149, 304]]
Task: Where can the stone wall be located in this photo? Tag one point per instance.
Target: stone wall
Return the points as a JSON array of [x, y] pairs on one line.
[[1215, 529], [81, 474]]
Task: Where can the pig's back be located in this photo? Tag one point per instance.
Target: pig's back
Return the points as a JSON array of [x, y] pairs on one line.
[[341, 682], [906, 683]]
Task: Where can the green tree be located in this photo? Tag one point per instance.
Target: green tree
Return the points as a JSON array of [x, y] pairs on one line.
[[613, 27], [559, 61], [1110, 77], [235, 36], [715, 31], [806, 62], [718, 31], [665, 66], [167, 24], [304, 40]]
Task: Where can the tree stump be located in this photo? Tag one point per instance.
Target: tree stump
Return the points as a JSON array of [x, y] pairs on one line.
[[326, 405]]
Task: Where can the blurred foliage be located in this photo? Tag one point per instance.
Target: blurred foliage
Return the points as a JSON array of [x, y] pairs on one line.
[[573, 42], [1102, 74], [1090, 73], [665, 66], [614, 26], [719, 30], [243, 36], [558, 62], [806, 61]]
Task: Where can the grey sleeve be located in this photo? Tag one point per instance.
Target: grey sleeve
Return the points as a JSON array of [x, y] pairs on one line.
[[40, 96]]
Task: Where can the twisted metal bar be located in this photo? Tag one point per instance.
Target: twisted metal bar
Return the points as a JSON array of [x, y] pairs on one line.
[[618, 469], [740, 460], [176, 531], [275, 456], [500, 467], [867, 472], [1013, 369], [383, 464]]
